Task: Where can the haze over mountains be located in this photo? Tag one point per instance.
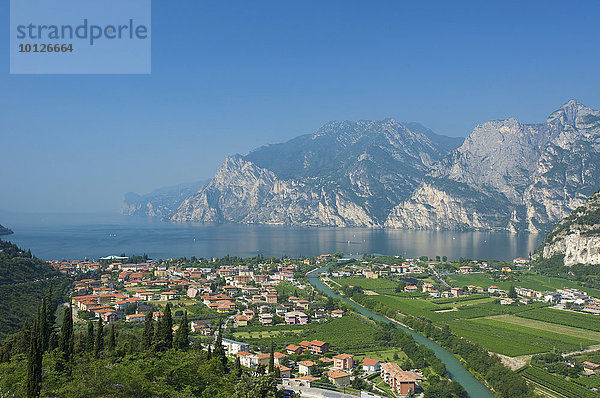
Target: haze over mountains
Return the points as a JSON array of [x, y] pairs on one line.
[[506, 175]]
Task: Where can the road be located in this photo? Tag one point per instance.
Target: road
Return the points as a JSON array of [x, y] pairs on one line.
[[317, 392]]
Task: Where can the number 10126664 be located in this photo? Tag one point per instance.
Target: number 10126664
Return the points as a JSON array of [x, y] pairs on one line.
[[45, 48]]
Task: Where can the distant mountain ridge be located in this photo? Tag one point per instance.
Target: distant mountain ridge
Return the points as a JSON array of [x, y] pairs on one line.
[[4, 230], [506, 175], [161, 203]]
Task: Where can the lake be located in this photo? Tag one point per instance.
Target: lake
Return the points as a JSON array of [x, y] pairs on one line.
[[76, 236]]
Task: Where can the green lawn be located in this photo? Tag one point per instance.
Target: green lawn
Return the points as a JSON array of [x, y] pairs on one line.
[[514, 340]]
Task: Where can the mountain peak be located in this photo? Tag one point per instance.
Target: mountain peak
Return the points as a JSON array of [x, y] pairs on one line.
[[570, 113]]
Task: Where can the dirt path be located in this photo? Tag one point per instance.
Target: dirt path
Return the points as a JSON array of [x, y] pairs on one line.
[[514, 363]]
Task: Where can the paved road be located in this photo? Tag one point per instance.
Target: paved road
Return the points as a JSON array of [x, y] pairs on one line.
[[318, 392]]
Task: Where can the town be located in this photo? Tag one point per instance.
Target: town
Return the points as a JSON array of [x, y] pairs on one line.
[[270, 312]]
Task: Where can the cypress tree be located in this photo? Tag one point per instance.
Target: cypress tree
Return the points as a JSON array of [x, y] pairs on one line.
[[219, 351], [49, 321], [181, 340], [167, 327], [66, 335], [34, 358], [112, 339], [272, 359], [148, 335], [89, 340], [99, 339], [237, 367]]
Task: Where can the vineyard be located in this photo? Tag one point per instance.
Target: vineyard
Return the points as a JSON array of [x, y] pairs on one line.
[[557, 384], [567, 318]]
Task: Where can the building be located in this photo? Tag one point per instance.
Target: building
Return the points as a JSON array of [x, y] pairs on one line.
[[339, 377], [135, 318], [591, 368], [371, 365], [400, 381], [343, 361], [284, 372], [232, 347], [319, 347], [456, 291], [293, 349], [241, 320], [337, 313], [296, 318], [411, 289], [265, 319], [307, 367]]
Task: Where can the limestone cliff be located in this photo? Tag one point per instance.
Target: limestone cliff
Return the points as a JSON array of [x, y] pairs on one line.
[[577, 237], [346, 174], [512, 176]]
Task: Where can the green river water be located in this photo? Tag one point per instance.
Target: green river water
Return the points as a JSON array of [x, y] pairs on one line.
[[455, 369]]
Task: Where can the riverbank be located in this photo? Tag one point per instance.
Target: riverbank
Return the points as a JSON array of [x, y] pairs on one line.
[[455, 369]]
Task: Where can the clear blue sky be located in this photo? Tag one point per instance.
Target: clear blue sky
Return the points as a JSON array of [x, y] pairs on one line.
[[230, 76]]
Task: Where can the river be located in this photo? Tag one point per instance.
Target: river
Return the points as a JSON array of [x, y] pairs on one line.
[[455, 369]]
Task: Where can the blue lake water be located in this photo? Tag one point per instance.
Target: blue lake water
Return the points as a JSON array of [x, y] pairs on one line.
[[76, 236]]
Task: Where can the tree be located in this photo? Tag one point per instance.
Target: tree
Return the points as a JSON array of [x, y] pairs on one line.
[[89, 339], [512, 292], [181, 340], [66, 335], [167, 327], [444, 258], [219, 351], [272, 358], [112, 338], [148, 335], [34, 358], [99, 346]]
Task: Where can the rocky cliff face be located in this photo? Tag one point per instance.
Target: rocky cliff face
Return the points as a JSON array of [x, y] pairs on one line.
[[506, 175], [346, 174], [511, 176], [577, 237]]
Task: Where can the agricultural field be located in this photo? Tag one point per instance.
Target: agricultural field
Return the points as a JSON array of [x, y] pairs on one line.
[[381, 285], [526, 280], [556, 383], [515, 340], [350, 332], [560, 317], [561, 329], [384, 355]]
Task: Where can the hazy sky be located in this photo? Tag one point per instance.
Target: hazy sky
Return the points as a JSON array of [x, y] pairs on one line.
[[230, 76]]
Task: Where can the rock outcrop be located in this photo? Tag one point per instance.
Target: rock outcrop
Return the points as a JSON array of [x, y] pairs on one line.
[[577, 237]]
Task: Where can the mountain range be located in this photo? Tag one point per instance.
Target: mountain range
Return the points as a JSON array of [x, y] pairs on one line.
[[506, 175]]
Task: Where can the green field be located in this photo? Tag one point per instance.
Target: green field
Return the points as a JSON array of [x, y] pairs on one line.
[[556, 383], [381, 285], [528, 280], [560, 317], [349, 333], [556, 328], [515, 340]]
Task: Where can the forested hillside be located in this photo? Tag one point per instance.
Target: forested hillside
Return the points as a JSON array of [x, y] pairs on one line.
[[23, 281]]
